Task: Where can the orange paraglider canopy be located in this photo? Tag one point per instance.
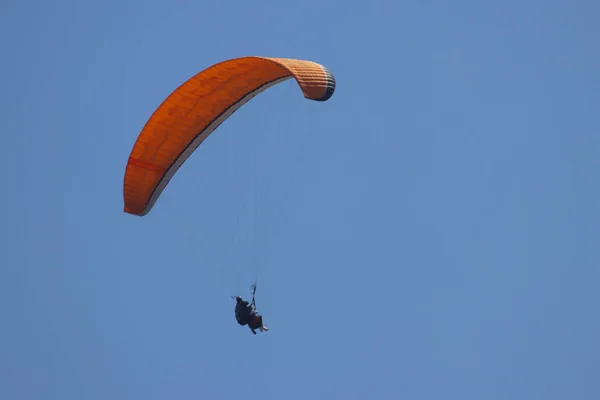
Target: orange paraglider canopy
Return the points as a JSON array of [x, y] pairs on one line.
[[196, 108]]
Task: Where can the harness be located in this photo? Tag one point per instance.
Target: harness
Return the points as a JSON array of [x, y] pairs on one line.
[[252, 315]]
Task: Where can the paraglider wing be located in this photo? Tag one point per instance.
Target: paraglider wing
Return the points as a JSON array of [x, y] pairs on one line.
[[196, 108]]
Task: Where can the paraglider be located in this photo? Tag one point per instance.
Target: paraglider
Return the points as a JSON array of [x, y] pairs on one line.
[[192, 112], [246, 314], [196, 108]]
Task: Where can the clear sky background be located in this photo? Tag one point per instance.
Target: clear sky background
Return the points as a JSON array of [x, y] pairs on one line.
[[431, 232]]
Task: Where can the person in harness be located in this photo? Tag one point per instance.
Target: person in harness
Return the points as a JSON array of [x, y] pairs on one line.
[[245, 314]]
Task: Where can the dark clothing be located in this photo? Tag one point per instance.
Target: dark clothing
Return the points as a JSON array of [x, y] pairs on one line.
[[243, 312], [255, 322]]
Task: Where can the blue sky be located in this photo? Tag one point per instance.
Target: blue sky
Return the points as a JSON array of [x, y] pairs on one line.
[[430, 232]]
